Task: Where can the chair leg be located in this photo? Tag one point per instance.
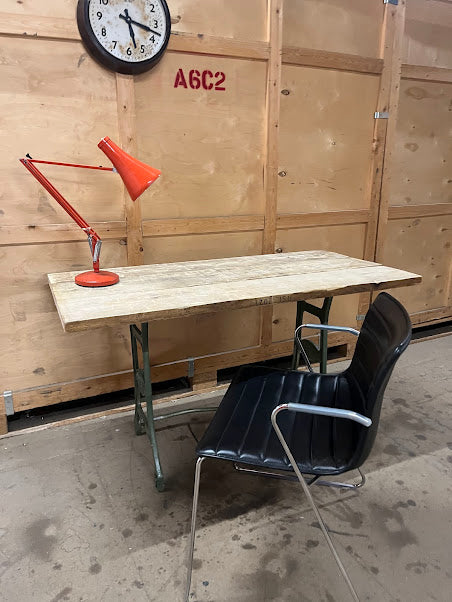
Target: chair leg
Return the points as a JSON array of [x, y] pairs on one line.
[[310, 499], [346, 485], [309, 480], [193, 527]]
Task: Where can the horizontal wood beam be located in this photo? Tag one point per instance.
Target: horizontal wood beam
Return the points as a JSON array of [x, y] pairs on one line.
[[327, 218], [428, 74], [66, 29], [29, 234], [218, 46], [32, 234], [88, 387], [38, 397], [202, 225], [12, 24], [308, 57], [431, 316], [412, 211]]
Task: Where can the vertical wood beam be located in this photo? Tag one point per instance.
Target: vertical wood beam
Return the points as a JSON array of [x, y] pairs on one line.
[[394, 94], [390, 49], [125, 93], [272, 108], [275, 12], [3, 422]]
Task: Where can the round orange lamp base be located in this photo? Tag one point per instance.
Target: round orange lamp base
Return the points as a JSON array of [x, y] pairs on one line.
[[100, 278]]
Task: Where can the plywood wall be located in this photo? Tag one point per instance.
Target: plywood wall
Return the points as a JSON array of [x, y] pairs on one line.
[[416, 210], [288, 157]]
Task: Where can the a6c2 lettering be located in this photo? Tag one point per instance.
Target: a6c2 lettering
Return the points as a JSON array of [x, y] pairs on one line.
[[200, 79]]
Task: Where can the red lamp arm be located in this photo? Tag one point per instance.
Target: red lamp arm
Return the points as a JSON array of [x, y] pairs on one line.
[[93, 238]]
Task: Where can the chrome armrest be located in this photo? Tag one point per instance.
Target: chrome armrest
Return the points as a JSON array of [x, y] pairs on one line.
[[327, 327], [321, 411]]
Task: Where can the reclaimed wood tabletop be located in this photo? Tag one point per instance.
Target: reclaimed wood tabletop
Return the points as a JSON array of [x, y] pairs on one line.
[[171, 290]]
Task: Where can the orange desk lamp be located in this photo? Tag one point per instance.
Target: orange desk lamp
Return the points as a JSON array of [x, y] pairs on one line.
[[137, 177]]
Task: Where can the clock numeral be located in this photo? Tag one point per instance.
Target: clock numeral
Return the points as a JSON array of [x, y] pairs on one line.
[[152, 39], [152, 10], [99, 15], [104, 31], [142, 49], [156, 23], [114, 42], [129, 51], [104, 2]]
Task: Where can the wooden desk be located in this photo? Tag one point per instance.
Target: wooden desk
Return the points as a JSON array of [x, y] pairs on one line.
[[180, 289]]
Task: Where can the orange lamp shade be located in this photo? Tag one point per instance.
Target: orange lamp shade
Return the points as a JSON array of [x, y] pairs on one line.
[[137, 176]]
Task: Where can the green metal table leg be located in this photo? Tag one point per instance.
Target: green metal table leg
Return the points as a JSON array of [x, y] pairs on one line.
[[144, 422], [139, 418], [322, 313]]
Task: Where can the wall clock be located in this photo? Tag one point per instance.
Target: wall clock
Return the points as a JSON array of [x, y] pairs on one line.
[[127, 36]]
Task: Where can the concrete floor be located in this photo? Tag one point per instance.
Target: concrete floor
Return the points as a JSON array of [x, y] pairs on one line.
[[80, 519]]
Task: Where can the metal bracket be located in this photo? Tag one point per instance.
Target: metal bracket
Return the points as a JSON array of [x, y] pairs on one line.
[[395, 2], [381, 115], [9, 406], [191, 367], [360, 317]]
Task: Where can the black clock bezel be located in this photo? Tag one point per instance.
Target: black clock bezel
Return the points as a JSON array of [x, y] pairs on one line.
[[98, 52]]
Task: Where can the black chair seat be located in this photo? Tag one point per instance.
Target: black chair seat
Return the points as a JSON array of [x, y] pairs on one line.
[[241, 430]]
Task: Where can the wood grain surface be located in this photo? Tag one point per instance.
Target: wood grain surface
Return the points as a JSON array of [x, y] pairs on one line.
[[164, 291]]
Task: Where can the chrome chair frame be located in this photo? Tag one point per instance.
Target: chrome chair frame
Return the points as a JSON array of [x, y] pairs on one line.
[[387, 328], [292, 407]]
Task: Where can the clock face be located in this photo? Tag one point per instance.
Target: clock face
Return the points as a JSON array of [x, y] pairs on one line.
[[128, 36]]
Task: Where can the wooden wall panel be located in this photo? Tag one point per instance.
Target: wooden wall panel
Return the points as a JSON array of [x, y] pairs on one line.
[[35, 350], [65, 9], [208, 144], [226, 18], [340, 239], [428, 33], [415, 207], [197, 336], [52, 110], [422, 245], [166, 249], [326, 130], [202, 335], [350, 26], [345, 186], [423, 149]]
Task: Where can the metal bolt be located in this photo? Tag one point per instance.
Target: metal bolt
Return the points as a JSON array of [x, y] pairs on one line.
[[278, 250], [282, 174], [285, 92]]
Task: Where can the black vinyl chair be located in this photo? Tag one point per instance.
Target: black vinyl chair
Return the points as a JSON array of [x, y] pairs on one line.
[[328, 422]]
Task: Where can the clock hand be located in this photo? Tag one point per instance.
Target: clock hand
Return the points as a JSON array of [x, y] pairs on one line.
[[132, 35], [145, 27], [128, 20]]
